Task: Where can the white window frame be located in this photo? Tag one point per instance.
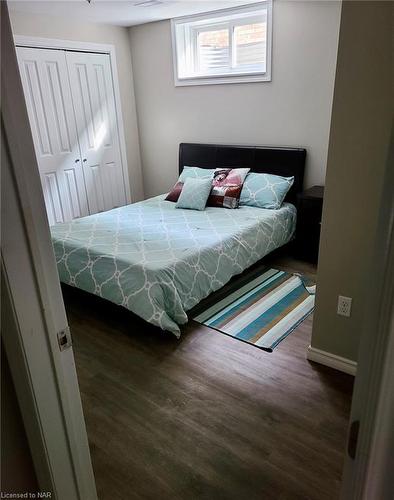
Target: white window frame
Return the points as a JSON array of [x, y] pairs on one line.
[[246, 14]]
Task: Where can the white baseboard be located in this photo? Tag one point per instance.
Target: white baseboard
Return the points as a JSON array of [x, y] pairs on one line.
[[331, 360]]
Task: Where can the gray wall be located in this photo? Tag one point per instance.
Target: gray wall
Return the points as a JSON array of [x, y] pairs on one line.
[[294, 109], [357, 159], [57, 27]]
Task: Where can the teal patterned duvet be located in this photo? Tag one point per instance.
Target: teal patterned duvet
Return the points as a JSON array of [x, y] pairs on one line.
[[159, 261]]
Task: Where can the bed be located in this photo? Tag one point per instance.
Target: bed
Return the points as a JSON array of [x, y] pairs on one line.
[[159, 261]]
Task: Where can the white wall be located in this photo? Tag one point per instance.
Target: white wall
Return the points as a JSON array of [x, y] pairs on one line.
[[57, 27], [294, 109]]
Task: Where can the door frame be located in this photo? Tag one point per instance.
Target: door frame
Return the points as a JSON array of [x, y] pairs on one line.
[[369, 473], [70, 45]]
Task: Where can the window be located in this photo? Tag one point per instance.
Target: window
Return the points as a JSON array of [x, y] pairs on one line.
[[227, 46]]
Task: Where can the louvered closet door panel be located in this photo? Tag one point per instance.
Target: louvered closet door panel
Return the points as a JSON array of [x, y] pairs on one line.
[[93, 97], [49, 105]]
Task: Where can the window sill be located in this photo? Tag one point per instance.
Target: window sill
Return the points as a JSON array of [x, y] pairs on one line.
[[220, 80]]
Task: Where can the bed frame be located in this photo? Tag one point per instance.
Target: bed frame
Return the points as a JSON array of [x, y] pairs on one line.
[[260, 159]]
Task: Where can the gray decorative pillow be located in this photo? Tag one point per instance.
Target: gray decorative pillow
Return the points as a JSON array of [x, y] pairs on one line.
[[194, 194]]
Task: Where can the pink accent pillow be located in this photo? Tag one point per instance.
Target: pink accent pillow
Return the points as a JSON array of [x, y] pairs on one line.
[[224, 196], [226, 187]]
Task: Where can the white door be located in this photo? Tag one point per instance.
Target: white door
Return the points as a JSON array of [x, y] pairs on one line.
[[49, 104], [94, 104], [43, 370]]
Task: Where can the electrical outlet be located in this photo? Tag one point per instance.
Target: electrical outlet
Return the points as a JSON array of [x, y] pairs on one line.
[[344, 306]]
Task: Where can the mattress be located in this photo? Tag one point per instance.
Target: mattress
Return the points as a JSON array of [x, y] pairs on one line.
[[159, 261]]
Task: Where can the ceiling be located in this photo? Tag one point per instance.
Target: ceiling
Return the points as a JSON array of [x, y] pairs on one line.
[[121, 12]]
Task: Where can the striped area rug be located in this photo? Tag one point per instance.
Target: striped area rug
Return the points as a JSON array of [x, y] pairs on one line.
[[264, 311]]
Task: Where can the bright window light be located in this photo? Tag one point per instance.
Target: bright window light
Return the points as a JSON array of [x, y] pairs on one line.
[[227, 46]]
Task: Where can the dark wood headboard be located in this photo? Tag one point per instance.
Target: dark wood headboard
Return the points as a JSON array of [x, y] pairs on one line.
[[260, 159]]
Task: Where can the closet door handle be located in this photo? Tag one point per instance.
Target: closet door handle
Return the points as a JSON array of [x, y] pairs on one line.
[[84, 160], [76, 161]]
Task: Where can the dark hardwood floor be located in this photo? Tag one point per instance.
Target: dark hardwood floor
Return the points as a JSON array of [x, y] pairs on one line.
[[206, 416]]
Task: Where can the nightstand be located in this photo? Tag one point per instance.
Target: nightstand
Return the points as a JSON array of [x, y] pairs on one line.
[[309, 211]]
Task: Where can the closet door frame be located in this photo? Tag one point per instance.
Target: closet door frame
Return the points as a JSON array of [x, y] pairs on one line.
[[53, 43]]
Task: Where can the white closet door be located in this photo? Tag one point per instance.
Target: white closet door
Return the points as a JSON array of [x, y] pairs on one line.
[[94, 104], [49, 104]]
